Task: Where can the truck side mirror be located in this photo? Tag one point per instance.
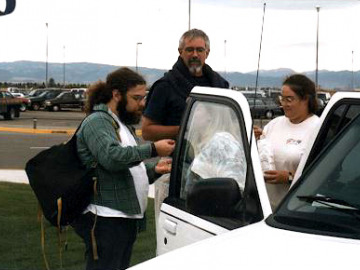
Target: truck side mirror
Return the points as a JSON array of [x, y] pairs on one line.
[[9, 7], [215, 197]]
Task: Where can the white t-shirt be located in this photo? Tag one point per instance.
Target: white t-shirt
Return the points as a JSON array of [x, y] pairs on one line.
[[288, 142], [138, 174]]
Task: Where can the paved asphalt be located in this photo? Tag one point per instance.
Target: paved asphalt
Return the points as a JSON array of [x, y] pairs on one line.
[[19, 176]]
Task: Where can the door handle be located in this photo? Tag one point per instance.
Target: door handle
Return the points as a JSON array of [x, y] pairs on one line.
[[170, 226]]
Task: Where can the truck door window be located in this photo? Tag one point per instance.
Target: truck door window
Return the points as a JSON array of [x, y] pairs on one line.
[[336, 121], [212, 148]]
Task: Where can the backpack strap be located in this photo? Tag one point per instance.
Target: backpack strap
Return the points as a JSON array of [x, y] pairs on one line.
[[41, 219]]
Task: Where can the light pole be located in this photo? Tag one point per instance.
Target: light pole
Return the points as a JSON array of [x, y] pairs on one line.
[[317, 49], [352, 71], [137, 48], [225, 57], [189, 14], [64, 68], [47, 54]]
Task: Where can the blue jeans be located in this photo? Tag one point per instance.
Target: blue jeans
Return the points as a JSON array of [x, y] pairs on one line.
[[115, 238]]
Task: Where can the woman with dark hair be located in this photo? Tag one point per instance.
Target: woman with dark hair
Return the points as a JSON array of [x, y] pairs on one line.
[[287, 136]]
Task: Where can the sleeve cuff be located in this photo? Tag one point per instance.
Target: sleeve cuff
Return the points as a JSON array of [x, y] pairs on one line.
[[154, 153]]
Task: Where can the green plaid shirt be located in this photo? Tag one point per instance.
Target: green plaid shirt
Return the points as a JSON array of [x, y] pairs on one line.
[[97, 140]]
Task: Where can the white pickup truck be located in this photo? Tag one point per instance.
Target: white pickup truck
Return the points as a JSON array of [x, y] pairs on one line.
[[316, 226]]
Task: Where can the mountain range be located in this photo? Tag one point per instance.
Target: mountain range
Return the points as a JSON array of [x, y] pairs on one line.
[[29, 71]]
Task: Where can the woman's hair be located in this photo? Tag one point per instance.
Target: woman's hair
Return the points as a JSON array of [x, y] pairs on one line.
[[121, 79], [304, 88], [192, 34]]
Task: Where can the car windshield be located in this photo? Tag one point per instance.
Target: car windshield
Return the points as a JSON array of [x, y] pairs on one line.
[[61, 95], [43, 94], [52, 94], [257, 101], [327, 197], [32, 93]]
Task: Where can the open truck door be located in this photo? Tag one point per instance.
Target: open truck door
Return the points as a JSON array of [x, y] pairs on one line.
[[220, 194]]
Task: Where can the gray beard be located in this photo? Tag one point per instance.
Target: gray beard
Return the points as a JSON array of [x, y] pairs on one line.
[[194, 70]]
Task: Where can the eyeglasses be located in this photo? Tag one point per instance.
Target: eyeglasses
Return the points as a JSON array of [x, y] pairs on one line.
[[138, 98], [287, 99], [197, 49]]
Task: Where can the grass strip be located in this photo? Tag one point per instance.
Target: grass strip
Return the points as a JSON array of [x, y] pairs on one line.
[[20, 246]]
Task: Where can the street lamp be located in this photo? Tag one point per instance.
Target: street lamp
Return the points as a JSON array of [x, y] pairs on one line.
[[225, 57], [47, 54], [317, 49], [352, 71], [64, 67], [189, 13], [137, 46]]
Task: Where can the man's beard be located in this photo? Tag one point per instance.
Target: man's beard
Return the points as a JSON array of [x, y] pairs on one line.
[[128, 118], [194, 69]]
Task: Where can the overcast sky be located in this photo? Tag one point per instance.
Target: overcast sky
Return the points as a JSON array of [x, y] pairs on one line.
[[107, 31]]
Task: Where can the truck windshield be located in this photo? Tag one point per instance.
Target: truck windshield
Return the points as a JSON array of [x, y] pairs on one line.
[[329, 191]]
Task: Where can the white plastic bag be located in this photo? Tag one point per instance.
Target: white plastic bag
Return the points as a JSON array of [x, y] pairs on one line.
[[266, 154]]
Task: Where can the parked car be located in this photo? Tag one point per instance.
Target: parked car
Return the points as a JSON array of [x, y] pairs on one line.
[[324, 96], [37, 102], [321, 106], [315, 226], [65, 100], [36, 92], [16, 91], [81, 91], [13, 90], [264, 108], [25, 103], [254, 94], [16, 94], [9, 105]]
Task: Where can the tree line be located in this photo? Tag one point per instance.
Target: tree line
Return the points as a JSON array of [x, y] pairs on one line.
[[34, 85]]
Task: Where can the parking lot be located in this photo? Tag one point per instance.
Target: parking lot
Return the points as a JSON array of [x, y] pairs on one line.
[[33, 131]]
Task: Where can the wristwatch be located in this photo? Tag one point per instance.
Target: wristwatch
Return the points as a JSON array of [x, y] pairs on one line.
[[291, 177]]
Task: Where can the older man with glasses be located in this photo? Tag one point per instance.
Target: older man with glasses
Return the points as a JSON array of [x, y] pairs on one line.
[[167, 97]]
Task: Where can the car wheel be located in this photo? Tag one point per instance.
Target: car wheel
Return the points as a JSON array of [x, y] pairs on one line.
[[23, 108], [56, 108], [269, 114], [36, 106], [10, 115]]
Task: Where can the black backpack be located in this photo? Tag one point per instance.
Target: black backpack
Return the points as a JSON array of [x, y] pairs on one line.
[[61, 183]]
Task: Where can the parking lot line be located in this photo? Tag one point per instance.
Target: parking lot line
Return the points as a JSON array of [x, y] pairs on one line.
[[35, 131], [48, 131]]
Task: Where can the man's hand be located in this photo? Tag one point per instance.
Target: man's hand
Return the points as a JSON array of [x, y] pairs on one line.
[[164, 147], [163, 166], [276, 177]]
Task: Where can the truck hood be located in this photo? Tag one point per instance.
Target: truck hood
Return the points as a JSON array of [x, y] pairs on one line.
[[260, 246]]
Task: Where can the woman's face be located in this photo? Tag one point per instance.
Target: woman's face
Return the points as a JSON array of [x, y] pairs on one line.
[[295, 108]]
